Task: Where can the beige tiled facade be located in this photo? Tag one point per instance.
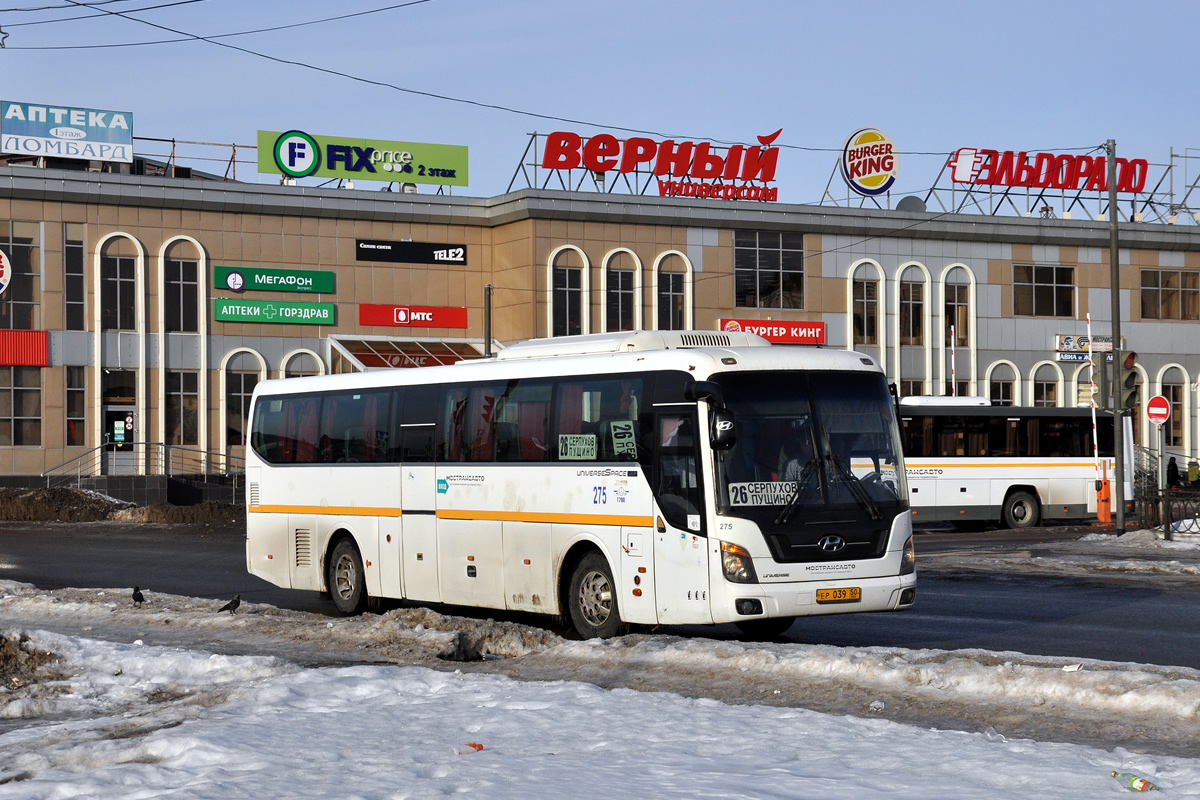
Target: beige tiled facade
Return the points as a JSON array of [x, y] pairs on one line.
[[511, 242]]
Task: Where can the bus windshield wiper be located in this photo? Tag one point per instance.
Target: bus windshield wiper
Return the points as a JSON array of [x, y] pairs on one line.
[[855, 486], [793, 502]]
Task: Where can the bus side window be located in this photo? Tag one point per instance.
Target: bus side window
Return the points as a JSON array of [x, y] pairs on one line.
[[417, 424]]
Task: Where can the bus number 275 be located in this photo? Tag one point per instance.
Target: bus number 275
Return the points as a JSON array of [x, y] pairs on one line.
[[599, 496]]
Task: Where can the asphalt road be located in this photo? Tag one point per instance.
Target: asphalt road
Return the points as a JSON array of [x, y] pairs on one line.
[[1116, 620]]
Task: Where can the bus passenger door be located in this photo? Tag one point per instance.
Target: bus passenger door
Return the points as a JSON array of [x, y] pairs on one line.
[[680, 538], [418, 553]]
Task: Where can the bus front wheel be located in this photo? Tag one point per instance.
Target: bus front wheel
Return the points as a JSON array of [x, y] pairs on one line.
[[1021, 510], [347, 582], [592, 601]]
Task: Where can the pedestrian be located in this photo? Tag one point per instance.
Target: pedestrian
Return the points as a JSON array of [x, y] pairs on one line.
[[1172, 474]]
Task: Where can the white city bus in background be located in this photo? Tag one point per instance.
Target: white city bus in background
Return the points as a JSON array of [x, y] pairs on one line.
[[973, 463], [610, 479]]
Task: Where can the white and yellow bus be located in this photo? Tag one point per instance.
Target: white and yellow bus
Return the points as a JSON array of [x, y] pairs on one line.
[[610, 479], [973, 464]]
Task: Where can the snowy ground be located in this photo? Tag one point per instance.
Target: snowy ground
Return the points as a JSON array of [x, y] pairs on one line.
[[145, 709]]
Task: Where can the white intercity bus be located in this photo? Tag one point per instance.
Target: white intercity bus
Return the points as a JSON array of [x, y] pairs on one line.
[[973, 464], [608, 479]]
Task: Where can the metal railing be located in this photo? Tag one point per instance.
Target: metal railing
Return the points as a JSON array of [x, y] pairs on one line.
[[1166, 508], [146, 458]]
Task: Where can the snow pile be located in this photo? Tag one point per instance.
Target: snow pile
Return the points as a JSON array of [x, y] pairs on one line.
[[263, 730]]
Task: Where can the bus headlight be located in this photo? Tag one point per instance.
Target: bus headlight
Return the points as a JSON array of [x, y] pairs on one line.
[[908, 561], [737, 564]]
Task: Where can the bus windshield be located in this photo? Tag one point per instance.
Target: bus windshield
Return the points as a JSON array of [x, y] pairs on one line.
[[811, 447]]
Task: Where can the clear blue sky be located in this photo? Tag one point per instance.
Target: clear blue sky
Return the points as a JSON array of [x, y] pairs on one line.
[[936, 76]]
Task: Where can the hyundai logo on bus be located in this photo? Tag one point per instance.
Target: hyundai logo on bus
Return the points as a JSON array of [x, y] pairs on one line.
[[831, 543]]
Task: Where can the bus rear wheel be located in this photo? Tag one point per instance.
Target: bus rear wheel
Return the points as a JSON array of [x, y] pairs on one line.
[[757, 630], [347, 581], [592, 599], [1021, 510]]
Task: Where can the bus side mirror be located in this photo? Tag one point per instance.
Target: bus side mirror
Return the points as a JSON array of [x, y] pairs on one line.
[[722, 433]]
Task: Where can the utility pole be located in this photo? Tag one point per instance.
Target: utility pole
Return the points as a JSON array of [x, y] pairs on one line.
[[1114, 262]]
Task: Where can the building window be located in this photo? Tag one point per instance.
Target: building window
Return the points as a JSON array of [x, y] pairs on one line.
[[20, 406], [1043, 291], [76, 406], [1002, 393], [768, 269], [912, 388], [301, 365], [181, 291], [117, 291], [957, 317], [1045, 393], [73, 278], [183, 408], [19, 304], [912, 313], [1173, 428], [958, 388], [1170, 294], [671, 301], [866, 312], [620, 300], [239, 386], [568, 301]]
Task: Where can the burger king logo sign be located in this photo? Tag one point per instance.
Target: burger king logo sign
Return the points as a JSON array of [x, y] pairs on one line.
[[869, 162]]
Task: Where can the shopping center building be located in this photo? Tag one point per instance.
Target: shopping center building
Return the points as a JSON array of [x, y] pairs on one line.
[[145, 309]]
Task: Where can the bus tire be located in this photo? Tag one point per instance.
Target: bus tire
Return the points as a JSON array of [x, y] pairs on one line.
[[592, 599], [347, 581], [1021, 510], [762, 629]]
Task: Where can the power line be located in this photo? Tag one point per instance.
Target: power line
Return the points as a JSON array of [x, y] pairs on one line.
[[448, 98], [60, 7], [94, 16], [220, 35]]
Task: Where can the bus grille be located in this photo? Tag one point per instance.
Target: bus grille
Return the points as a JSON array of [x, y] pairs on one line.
[[703, 340], [859, 546], [253, 493], [303, 547]]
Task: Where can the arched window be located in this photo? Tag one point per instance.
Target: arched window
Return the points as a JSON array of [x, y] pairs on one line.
[[1174, 387], [302, 364], [866, 310], [567, 293], [1045, 386], [620, 292], [118, 284], [242, 373], [912, 309], [671, 305], [958, 307], [181, 288], [1002, 386]]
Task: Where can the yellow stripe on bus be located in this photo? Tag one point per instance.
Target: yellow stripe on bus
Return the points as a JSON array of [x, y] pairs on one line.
[[342, 511], [532, 516], [463, 514]]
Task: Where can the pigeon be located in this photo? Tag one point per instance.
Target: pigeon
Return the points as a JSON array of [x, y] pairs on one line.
[[138, 598], [232, 605]]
